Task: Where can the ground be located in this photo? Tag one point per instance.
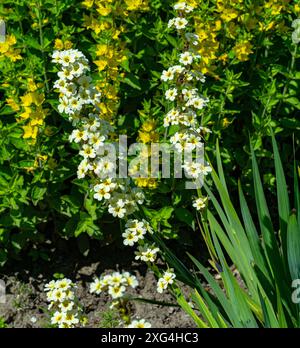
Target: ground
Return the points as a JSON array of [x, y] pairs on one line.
[[26, 304]]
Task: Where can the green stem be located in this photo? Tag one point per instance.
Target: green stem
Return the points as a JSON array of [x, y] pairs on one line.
[[42, 47], [289, 79]]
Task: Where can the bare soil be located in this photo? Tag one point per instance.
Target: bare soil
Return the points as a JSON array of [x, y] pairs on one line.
[[26, 304]]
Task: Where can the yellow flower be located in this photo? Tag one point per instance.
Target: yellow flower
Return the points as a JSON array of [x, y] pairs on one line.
[[37, 117], [227, 14], [225, 122], [223, 58], [101, 64], [26, 114], [33, 98], [92, 23], [133, 5], [27, 99], [104, 11], [150, 183], [12, 104], [58, 44], [32, 87], [30, 132], [88, 3], [266, 27], [193, 3], [242, 50], [68, 44], [149, 126], [8, 51]]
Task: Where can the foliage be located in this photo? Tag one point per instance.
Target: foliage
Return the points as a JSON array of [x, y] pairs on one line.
[[249, 54], [257, 292]]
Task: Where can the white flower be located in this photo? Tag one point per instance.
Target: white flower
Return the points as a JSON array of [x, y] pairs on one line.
[[200, 203], [197, 170], [66, 306], [161, 285], [87, 151], [82, 169], [147, 253], [75, 104], [105, 168], [177, 69], [64, 284], [186, 58], [167, 75], [189, 93], [57, 318], [116, 279], [70, 319], [50, 286], [33, 320], [58, 295], [56, 57], [139, 324], [130, 237], [63, 105], [66, 74], [198, 103], [169, 276], [167, 279], [180, 23], [179, 6], [97, 286], [67, 58], [171, 94], [116, 291], [102, 191], [171, 23], [117, 211], [79, 135], [130, 279]]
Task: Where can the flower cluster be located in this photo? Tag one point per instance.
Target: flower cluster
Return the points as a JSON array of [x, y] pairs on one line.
[[147, 253], [66, 312], [110, 53], [7, 49], [135, 230], [78, 94], [74, 85], [147, 134], [182, 92], [166, 280], [115, 284], [240, 24], [33, 113]]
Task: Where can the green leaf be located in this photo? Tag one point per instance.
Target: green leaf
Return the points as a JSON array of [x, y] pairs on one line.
[[37, 194], [293, 246], [185, 216], [282, 196], [132, 81]]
